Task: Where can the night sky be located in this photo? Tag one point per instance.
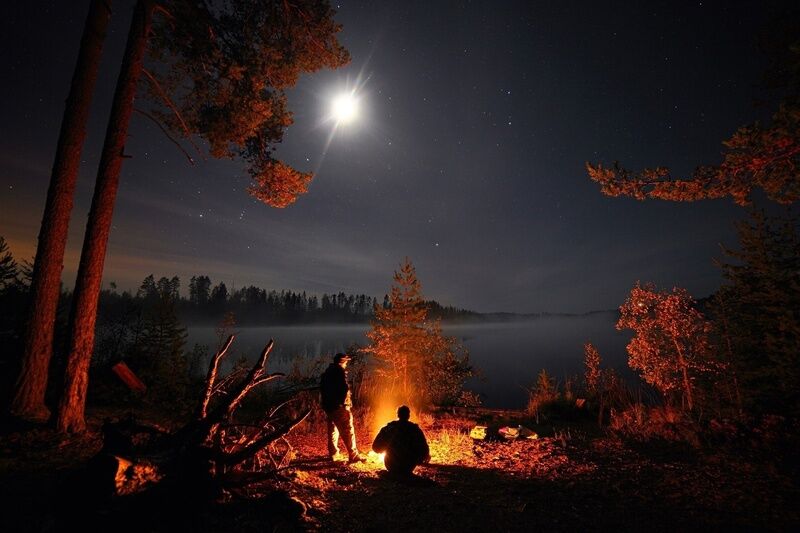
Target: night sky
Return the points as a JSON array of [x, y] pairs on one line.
[[477, 119]]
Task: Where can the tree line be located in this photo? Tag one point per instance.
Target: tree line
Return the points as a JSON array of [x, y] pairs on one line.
[[209, 303], [251, 305]]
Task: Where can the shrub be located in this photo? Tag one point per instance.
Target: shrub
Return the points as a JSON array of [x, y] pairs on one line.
[[659, 423]]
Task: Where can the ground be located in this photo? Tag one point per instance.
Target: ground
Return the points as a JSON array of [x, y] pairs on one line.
[[565, 480]]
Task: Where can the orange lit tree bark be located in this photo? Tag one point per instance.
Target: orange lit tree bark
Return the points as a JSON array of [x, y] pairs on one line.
[[236, 58], [90, 270], [29, 391]]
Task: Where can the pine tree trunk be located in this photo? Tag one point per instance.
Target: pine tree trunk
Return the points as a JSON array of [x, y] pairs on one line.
[[727, 336], [29, 391], [687, 387], [98, 227]]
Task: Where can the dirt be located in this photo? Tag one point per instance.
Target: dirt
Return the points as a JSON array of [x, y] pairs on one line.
[[567, 481], [573, 482]]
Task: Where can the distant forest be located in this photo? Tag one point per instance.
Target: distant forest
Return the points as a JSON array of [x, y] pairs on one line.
[[209, 304]]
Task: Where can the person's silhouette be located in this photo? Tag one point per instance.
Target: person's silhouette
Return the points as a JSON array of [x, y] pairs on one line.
[[404, 444]]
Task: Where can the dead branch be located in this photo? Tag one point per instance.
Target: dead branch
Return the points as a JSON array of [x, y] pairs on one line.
[[161, 9], [277, 408], [211, 376], [250, 381], [234, 458], [267, 378], [168, 102], [165, 132], [284, 459], [221, 387], [209, 450]]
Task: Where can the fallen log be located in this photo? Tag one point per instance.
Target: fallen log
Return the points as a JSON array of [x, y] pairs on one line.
[[209, 456]]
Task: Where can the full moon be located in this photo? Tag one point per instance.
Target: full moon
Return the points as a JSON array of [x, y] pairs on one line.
[[344, 108]]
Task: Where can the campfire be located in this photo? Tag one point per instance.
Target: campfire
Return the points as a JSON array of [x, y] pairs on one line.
[[376, 458]]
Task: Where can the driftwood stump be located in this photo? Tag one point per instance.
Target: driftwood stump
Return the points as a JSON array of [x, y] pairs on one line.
[[207, 456]]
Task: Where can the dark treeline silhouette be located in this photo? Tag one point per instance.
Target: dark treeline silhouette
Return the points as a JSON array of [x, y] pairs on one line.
[[208, 303], [253, 305], [450, 313]]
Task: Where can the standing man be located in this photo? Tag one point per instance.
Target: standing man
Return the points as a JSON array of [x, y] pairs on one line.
[[336, 402], [404, 444]]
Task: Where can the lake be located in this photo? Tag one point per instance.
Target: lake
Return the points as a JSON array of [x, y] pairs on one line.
[[508, 354]]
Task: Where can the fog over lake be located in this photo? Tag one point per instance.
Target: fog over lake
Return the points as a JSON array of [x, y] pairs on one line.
[[508, 354]]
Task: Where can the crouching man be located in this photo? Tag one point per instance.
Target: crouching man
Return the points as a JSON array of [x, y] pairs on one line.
[[404, 444]]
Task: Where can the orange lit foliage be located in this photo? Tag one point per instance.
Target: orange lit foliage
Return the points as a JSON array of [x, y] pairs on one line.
[[591, 358], [277, 184], [671, 343], [416, 360], [225, 67], [756, 156], [542, 393]]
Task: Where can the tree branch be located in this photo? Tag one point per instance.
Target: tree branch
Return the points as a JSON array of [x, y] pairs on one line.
[[164, 130], [172, 106], [225, 410], [265, 379], [253, 379], [234, 458], [211, 377]]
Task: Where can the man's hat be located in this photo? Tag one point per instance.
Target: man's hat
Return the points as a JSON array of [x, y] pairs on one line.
[[340, 357]]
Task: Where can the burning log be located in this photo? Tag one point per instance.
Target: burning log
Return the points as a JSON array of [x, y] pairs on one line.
[[210, 454]]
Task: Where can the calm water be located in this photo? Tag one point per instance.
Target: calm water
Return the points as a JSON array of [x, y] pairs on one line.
[[509, 355]]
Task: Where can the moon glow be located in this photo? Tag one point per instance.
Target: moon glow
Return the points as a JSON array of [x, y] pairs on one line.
[[344, 108]]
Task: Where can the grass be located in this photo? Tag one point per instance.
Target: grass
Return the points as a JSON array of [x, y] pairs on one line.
[[449, 446]]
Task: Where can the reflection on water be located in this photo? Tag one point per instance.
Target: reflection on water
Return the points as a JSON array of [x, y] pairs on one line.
[[509, 354]]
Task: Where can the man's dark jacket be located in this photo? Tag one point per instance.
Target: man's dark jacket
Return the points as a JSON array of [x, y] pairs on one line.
[[404, 444], [333, 387]]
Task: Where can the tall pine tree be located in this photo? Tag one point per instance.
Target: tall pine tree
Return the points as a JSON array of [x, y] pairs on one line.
[[219, 72], [416, 359], [758, 311], [29, 391]]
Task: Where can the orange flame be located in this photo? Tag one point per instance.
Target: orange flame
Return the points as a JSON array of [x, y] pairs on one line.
[[382, 413], [376, 457]]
